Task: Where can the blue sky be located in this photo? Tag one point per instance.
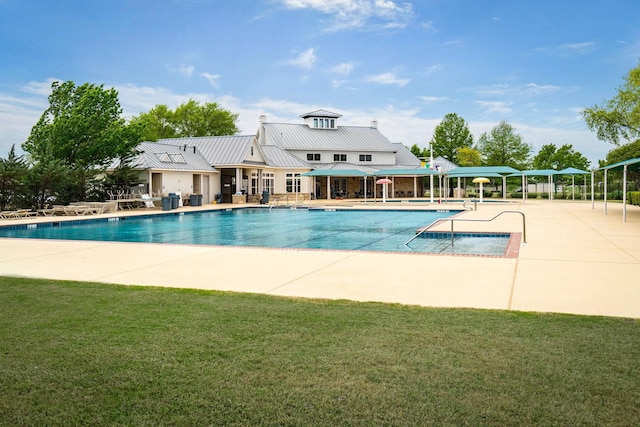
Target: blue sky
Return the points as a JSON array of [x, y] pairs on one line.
[[534, 64]]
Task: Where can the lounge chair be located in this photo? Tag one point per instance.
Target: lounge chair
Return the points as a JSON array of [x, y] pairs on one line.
[[7, 214]]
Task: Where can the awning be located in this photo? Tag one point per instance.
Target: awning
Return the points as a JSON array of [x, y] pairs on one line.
[[336, 172]]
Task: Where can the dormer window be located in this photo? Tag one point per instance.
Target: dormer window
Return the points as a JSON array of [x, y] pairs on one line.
[[319, 123], [321, 119]]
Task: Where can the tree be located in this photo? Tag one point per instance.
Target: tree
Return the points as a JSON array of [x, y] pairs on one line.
[[503, 147], [12, 171], [47, 180], [82, 127], [450, 135], [618, 118], [156, 124], [550, 157], [188, 120], [468, 156], [622, 153]]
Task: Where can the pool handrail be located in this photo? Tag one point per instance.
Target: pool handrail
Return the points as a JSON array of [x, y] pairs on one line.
[[524, 225]]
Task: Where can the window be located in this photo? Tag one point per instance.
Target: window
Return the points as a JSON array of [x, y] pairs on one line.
[[333, 124], [293, 183], [252, 150], [315, 123], [267, 181], [365, 157], [313, 157], [339, 157]]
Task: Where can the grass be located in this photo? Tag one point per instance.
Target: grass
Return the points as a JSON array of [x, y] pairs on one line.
[[92, 354]]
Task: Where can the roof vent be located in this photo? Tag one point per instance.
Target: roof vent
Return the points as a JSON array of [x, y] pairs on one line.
[[374, 124], [263, 118]]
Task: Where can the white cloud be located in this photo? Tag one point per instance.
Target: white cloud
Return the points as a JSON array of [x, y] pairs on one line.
[[304, 60], [350, 14], [388, 79], [498, 107], [343, 69], [505, 89], [213, 79], [432, 99], [567, 49]]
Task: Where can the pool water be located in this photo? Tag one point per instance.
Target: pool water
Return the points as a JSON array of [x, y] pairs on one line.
[[337, 229]]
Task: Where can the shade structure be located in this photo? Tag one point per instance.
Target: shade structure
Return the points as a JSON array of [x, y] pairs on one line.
[[384, 182], [481, 180]]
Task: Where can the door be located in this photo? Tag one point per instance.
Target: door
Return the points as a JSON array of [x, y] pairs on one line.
[[206, 197]]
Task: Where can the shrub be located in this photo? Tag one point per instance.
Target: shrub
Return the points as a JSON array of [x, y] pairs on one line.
[[634, 197], [532, 195]]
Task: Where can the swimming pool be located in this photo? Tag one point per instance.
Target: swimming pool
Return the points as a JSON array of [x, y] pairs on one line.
[[337, 229]]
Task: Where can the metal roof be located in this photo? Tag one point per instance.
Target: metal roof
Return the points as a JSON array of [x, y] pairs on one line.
[[343, 138], [336, 172], [218, 150], [321, 113], [404, 156], [153, 155], [406, 172], [278, 158]]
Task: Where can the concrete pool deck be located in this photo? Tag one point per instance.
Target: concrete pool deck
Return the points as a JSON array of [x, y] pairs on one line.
[[577, 260]]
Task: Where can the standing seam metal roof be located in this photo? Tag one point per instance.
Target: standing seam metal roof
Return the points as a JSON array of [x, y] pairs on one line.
[[218, 150], [152, 154], [344, 138]]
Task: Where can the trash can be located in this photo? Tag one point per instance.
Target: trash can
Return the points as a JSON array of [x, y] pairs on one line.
[[175, 200], [199, 199], [219, 198], [195, 200], [166, 203], [265, 197]]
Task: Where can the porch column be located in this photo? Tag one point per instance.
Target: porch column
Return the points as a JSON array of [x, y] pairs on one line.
[[415, 187], [238, 179], [328, 187]]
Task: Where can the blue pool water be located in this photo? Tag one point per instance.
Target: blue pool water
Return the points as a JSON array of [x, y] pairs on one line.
[[370, 230]]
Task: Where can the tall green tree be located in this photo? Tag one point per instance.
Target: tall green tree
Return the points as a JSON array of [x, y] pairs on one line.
[[622, 153], [468, 156], [504, 147], [551, 157], [618, 119], [12, 171], [82, 127], [450, 135], [47, 182], [188, 120], [156, 124]]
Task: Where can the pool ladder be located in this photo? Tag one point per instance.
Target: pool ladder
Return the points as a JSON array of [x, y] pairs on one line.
[[524, 225]]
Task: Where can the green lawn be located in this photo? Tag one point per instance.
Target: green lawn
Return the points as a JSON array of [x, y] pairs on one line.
[[92, 354]]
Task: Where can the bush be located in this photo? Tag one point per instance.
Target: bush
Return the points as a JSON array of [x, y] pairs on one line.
[[544, 195], [634, 197], [532, 195]]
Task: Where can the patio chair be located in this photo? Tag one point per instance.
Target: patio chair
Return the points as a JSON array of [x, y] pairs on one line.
[[25, 213]]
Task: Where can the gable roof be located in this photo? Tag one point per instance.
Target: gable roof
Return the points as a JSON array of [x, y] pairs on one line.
[[276, 157], [153, 155], [218, 150], [344, 138], [321, 113], [404, 156]]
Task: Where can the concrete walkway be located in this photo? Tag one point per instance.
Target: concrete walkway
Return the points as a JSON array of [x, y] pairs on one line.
[[576, 260]]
